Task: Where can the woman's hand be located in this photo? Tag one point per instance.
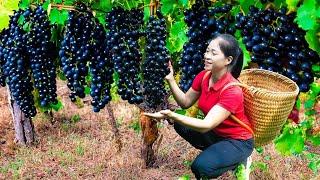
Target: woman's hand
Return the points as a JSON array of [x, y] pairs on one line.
[[170, 75], [156, 115], [160, 115]]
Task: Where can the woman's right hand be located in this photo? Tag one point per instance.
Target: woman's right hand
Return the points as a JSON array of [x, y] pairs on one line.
[[170, 75]]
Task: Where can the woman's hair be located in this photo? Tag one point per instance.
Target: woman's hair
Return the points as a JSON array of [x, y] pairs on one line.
[[230, 47]]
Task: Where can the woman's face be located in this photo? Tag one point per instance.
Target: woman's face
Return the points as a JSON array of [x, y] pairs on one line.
[[214, 58]]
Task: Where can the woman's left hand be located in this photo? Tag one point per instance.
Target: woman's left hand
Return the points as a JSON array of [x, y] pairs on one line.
[[168, 113], [160, 115]]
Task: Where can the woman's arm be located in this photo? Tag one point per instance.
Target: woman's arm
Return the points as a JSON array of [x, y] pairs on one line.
[[185, 100], [216, 115]]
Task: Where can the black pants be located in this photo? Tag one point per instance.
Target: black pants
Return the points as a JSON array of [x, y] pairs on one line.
[[218, 154]]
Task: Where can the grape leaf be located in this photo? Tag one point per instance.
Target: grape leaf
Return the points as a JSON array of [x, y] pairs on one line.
[[21, 20], [315, 68], [290, 141], [184, 3], [57, 16], [312, 39], [69, 2], [245, 4], [46, 4], [4, 20], [315, 140], [309, 103], [177, 37], [292, 4], [167, 6], [24, 4], [57, 1], [104, 5], [11, 5], [306, 15]]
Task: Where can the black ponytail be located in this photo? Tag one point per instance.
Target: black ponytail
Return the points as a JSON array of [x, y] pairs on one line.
[[230, 47], [236, 65]]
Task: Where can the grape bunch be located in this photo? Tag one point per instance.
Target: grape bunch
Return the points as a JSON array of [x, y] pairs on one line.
[[204, 24], [16, 68], [3, 35], [277, 44], [123, 38], [101, 69], [155, 66], [42, 54], [76, 48]]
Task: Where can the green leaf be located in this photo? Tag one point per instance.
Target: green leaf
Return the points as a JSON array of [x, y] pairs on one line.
[[58, 17], [27, 26], [167, 6], [315, 68], [246, 54], [309, 103], [75, 118], [104, 5], [24, 4], [306, 15], [57, 106], [245, 4], [315, 140], [180, 111], [310, 112], [184, 177], [292, 4], [313, 166], [57, 1], [177, 37], [298, 104], [87, 90], [4, 20], [318, 12], [184, 3], [11, 5], [69, 2], [315, 88], [21, 20], [45, 5], [259, 150], [312, 39], [290, 141]]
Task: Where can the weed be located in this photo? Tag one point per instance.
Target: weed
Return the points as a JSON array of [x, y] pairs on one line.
[[135, 125], [75, 118]]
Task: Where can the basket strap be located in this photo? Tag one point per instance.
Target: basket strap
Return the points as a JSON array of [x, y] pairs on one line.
[[233, 117], [224, 88]]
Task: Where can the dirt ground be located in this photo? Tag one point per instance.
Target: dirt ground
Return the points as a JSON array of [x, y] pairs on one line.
[[79, 144]]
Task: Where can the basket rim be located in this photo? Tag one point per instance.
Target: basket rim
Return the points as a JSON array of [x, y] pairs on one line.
[[295, 92]]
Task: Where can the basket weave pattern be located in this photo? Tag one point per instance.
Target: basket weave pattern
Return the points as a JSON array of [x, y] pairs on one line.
[[268, 98]]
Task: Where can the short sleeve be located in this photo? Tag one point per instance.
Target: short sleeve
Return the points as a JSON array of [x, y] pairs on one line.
[[196, 84], [231, 99]]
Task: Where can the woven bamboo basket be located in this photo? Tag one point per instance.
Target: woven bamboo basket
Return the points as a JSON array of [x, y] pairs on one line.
[[268, 98]]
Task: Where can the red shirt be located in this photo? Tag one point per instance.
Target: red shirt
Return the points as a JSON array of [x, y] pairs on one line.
[[231, 99]]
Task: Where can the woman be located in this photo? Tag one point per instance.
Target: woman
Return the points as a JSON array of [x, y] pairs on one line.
[[224, 142]]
